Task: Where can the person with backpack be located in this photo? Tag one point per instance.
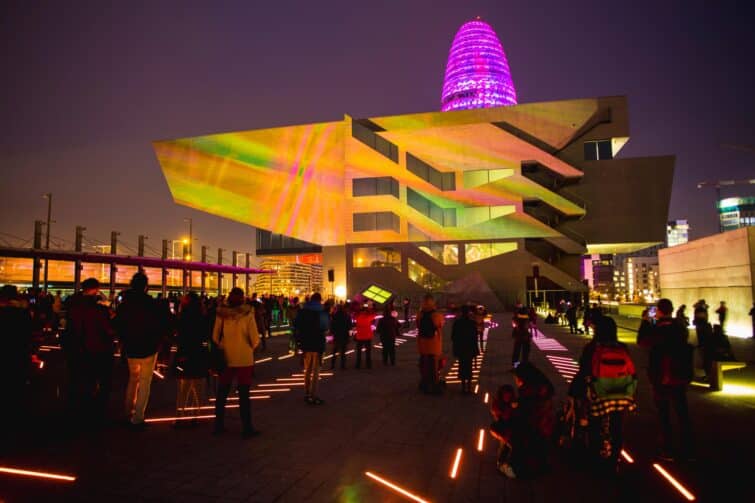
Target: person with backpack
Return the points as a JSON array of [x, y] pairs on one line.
[[429, 344], [670, 371], [604, 390]]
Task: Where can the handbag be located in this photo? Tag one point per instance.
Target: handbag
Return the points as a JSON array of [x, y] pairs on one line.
[[217, 356]]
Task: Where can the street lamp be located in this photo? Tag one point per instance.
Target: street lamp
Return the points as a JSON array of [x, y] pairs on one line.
[[48, 196]]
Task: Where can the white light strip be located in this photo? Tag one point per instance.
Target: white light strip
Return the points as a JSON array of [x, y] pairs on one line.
[[31, 473]]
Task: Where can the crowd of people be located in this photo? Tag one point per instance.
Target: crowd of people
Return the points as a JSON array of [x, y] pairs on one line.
[[221, 337]]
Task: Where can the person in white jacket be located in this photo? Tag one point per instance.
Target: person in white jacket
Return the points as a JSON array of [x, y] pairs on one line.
[[235, 332]]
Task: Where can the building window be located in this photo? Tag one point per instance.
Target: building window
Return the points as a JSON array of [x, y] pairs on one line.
[[443, 216], [443, 181], [598, 150], [446, 254], [384, 185], [366, 132], [376, 257], [424, 277], [376, 221], [474, 252]]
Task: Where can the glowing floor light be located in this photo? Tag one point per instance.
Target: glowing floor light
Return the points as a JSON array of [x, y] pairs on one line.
[[177, 418], [626, 456], [487, 397], [476, 388], [286, 356], [32, 473], [679, 487], [158, 374], [396, 488], [456, 463], [264, 360], [481, 440]]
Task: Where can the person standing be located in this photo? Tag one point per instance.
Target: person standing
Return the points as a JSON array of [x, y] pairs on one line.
[[141, 325], [191, 362], [260, 318], [88, 346], [571, 317], [464, 342], [388, 329], [340, 326], [15, 357], [722, 312], [670, 372], [522, 337], [311, 326], [364, 333], [429, 344], [235, 332]]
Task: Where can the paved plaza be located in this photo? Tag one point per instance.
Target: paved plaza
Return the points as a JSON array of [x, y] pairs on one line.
[[374, 420]]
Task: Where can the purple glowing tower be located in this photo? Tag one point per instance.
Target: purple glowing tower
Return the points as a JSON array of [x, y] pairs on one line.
[[477, 72]]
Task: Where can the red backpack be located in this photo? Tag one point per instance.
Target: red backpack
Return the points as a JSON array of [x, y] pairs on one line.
[[613, 371]]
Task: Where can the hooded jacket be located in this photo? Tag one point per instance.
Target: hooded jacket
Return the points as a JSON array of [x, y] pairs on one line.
[[239, 334]]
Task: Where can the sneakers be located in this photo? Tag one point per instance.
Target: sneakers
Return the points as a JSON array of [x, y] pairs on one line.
[[507, 470]]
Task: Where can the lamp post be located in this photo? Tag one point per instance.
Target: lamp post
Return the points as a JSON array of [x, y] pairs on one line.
[[191, 242], [48, 196]]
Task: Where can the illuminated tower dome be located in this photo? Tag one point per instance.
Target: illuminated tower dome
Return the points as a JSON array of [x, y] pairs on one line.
[[477, 72]]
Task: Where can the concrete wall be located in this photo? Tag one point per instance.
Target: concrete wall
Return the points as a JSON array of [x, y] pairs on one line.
[[715, 268]]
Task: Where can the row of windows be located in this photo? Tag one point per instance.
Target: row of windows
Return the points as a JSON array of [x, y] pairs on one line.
[[444, 216], [366, 135], [443, 181], [384, 185], [376, 221]]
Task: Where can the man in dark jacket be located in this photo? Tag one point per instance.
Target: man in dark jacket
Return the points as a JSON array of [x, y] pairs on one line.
[[311, 326], [669, 371], [464, 342], [388, 328], [88, 348], [340, 327], [141, 325], [15, 355]]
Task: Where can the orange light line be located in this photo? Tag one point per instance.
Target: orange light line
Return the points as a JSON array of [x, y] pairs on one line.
[[396, 488], [182, 418], [481, 440], [679, 487], [43, 475], [282, 384], [286, 356], [264, 360], [487, 396], [476, 388], [455, 466], [625, 455], [158, 374]]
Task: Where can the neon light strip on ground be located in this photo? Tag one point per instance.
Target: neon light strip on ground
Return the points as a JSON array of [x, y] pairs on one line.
[[286, 356], [396, 488], [181, 418], [281, 384], [158, 374], [42, 475], [264, 360], [487, 396], [626, 456], [455, 466], [679, 487], [481, 440]]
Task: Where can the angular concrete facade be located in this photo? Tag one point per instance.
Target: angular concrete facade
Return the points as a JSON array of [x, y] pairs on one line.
[[439, 200], [715, 268]]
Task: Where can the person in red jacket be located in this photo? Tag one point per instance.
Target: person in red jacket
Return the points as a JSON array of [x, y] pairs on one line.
[[364, 319]]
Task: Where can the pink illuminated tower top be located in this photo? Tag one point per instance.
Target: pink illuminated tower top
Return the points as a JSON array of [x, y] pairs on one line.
[[477, 72]]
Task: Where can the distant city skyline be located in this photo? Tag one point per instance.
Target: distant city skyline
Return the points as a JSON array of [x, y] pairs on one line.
[[85, 97]]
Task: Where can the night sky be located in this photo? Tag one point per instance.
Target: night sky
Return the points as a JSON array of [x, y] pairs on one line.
[[87, 86]]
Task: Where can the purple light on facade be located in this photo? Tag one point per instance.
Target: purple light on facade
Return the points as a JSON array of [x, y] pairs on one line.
[[477, 72]]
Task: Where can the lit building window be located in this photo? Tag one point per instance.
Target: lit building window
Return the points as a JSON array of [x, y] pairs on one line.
[[376, 221], [376, 257], [376, 186], [424, 277], [447, 254], [474, 252]]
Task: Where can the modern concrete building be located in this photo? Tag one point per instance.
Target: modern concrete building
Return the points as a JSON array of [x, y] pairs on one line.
[[472, 202], [677, 232], [736, 212], [715, 268]]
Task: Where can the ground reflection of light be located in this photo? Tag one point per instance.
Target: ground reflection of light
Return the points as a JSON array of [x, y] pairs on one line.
[[43, 475], [679, 487], [396, 488], [738, 390]]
